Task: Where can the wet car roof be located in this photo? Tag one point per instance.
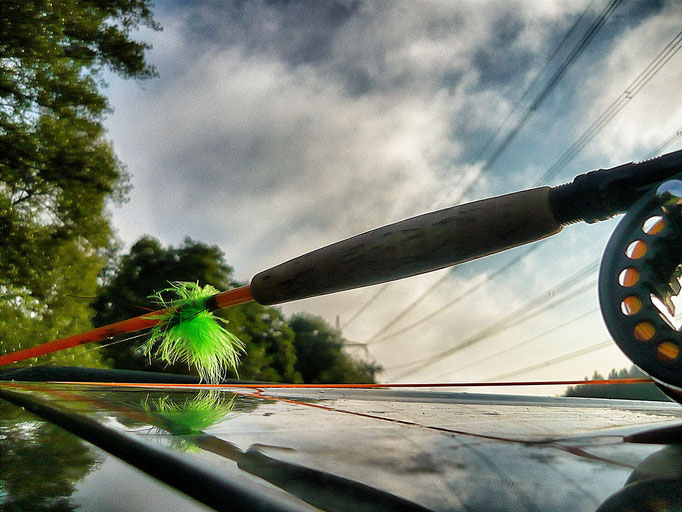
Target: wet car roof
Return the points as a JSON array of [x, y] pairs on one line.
[[354, 449]]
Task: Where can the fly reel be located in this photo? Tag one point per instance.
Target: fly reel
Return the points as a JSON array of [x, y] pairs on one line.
[[638, 280]]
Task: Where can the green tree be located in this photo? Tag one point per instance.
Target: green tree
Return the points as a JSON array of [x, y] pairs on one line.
[[148, 267], [320, 356], [270, 352], [637, 391], [303, 349], [57, 171]]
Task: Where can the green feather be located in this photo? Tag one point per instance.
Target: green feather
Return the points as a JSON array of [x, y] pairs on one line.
[[190, 333]]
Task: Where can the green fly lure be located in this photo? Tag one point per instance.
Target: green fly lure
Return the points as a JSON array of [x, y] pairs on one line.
[[187, 331]]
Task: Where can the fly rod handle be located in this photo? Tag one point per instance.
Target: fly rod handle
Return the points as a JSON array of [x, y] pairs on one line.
[[413, 246]]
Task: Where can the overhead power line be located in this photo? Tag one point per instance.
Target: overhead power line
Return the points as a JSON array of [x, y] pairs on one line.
[[573, 55], [540, 98], [539, 304], [532, 85], [658, 149], [640, 81], [411, 306], [367, 304], [491, 330], [466, 293], [614, 108], [561, 359], [634, 88], [516, 346], [519, 345], [576, 52]]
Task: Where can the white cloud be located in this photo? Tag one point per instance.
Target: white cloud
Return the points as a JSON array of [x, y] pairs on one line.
[[653, 113], [274, 129]]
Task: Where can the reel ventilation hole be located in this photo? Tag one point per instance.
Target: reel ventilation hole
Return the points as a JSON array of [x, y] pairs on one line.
[[639, 280]]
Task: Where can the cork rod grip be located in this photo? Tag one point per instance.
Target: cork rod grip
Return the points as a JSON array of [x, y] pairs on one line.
[[413, 246]]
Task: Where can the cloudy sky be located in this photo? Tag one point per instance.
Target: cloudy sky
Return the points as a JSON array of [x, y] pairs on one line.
[[277, 127]]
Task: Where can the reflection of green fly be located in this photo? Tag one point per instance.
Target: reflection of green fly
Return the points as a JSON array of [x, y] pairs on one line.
[[189, 417], [187, 420]]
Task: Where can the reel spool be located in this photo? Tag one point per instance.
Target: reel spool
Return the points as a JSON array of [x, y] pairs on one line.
[[637, 281]]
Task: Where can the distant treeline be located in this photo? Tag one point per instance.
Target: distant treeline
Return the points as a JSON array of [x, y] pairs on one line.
[[643, 391]]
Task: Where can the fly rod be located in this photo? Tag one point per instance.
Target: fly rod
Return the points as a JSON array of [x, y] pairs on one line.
[[407, 248]]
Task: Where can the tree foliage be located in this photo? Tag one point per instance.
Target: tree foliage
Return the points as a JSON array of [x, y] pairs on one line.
[[270, 353], [638, 391], [303, 349], [149, 267], [320, 356], [57, 171]]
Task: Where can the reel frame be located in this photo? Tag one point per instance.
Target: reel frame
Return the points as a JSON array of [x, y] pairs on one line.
[[637, 279]]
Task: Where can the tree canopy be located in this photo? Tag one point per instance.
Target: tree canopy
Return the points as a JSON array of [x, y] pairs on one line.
[[302, 349], [320, 356], [57, 170], [58, 173]]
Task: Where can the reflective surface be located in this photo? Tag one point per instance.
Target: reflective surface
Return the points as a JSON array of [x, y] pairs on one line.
[[44, 467], [367, 449]]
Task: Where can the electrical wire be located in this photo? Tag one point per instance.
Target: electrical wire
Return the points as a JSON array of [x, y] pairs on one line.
[[614, 108], [530, 309], [563, 42], [640, 82], [410, 307], [499, 325], [489, 331], [466, 293], [566, 357], [658, 149], [549, 87], [496, 354], [367, 304], [575, 52], [518, 345]]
